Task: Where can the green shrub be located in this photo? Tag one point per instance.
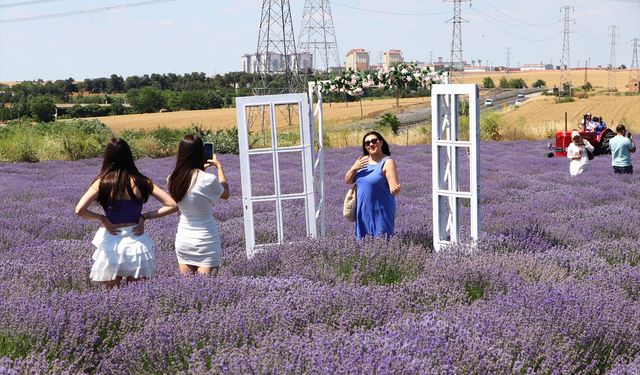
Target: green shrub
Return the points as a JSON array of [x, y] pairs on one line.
[[539, 83], [225, 141], [488, 83], [43, 108], [389, 120], [490, 126]]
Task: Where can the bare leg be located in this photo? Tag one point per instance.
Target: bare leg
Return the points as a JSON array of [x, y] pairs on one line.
[[187, 269], [112, 283], [208, 271]]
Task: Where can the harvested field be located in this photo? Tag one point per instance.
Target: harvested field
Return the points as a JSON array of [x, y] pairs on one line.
[[335, 115], [599, 78], [540, 116]]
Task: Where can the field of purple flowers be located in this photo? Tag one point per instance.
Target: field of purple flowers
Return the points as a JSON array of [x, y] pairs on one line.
[[553, 288]]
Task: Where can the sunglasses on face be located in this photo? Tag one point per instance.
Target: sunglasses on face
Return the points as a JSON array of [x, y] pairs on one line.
[[371, 142]]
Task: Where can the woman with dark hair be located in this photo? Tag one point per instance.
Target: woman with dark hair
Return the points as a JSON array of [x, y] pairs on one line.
[[123, 251], [197, 240], [377, 185]]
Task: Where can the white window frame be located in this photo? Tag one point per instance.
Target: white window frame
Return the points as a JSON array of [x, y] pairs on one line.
[[305, 148], [445, 167]]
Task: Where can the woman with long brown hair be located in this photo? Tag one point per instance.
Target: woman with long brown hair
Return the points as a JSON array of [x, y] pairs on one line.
[[197, 243], [123, 251]]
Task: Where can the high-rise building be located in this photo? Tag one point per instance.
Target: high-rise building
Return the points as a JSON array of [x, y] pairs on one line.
[[275, 62], [391, 57], [357, 60]]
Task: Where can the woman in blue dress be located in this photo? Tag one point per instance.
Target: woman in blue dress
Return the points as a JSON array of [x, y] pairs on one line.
[[377, 185]]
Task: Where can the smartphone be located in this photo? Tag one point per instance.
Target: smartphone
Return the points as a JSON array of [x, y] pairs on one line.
[[208, 150], [629, 135]]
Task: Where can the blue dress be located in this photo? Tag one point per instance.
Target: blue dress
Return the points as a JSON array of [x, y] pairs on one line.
[[375, 205]]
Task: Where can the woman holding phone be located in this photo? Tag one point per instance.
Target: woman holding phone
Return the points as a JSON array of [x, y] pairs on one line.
[[197, 239], [123, 251]]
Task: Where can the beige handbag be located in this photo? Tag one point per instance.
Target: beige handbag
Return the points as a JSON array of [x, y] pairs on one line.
[[349, 206]]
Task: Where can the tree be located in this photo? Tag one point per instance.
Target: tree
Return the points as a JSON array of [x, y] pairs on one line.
[[43, 108], [623, 66], [116, 83], [539, 83], [587, 86], [504, 83], [147, 99], [488, 83]]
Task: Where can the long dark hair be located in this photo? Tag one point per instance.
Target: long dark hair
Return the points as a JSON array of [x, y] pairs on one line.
[[118, 169], [385, 145], [190, 158]]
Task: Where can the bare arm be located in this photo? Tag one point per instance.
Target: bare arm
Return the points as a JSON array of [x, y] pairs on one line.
[[82, 208], [169, 206], [350, 176], [221, 177], [391, 173]]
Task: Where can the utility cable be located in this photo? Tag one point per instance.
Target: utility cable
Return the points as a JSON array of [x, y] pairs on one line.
[[521, 23], [84, 11], [510, 33], [21, 3], [387, 13]]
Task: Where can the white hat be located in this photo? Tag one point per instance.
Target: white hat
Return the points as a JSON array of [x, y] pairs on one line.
[[574, 133]]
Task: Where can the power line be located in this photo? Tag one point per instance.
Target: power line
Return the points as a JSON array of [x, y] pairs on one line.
[[21, 3], [385, 12], [485, 17], [565, 61], [84, 11], [522, 23], [611, 86]]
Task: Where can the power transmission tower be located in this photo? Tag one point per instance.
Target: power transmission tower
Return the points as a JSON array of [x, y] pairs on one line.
[[276, 52], [508, 59], [611, 85], [634, 72], [456, 39], [318, 35], [565, 61]]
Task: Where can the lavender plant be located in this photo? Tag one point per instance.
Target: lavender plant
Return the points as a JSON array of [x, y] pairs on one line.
[[552, 287]]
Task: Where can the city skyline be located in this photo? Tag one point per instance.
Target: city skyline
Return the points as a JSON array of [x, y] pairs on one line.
[[183, 36]]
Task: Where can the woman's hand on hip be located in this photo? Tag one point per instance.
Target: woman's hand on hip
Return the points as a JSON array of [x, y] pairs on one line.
[[108, 225], [138, 229]]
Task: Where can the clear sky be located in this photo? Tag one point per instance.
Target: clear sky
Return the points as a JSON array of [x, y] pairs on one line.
[[209, 36]]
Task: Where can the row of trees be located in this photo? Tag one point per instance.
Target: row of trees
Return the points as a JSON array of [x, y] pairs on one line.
[[513, 83]]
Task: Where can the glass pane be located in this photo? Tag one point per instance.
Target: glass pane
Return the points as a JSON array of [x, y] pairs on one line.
[[259, 126], [288, 124], [291, 176], [265, 223], [261, 167]]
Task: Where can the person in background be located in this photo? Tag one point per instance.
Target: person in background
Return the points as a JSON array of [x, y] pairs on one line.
[[577, 152], [621, 148], [601, 125], [123, 251], [197, 244], [377, 185]]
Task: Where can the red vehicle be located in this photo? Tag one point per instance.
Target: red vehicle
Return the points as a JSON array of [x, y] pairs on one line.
[[599, 142]]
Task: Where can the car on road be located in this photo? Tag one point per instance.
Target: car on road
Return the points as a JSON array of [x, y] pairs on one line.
[[518, 102], [488, 102], [520, 95]]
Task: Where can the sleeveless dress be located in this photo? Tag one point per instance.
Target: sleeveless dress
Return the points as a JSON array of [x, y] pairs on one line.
[[375, 205], [197, 239]]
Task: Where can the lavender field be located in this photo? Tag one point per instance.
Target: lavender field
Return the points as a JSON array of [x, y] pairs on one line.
[[553, 288]]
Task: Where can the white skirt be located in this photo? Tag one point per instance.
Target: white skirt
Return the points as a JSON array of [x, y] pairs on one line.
[[122, 255], [198, 243]]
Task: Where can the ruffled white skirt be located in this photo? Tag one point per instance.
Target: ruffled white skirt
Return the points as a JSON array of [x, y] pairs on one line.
[[122, 255]]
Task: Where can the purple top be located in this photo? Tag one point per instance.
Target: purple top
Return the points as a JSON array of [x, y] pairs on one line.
[[123, 211]]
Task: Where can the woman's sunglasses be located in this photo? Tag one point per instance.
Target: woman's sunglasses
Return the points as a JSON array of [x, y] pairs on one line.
[[370, 142]]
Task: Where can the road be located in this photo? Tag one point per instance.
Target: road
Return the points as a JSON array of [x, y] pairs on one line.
[[421, 115]]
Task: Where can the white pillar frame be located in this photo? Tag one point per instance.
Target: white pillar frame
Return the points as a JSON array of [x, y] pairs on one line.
[[445, 168], [305, 148], [315, 90]]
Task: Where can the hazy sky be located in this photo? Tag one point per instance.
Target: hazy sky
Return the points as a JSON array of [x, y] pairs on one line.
[[210, 36]]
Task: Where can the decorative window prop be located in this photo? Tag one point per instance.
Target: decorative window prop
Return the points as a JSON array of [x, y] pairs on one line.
[[276, 137], [451, 153]]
